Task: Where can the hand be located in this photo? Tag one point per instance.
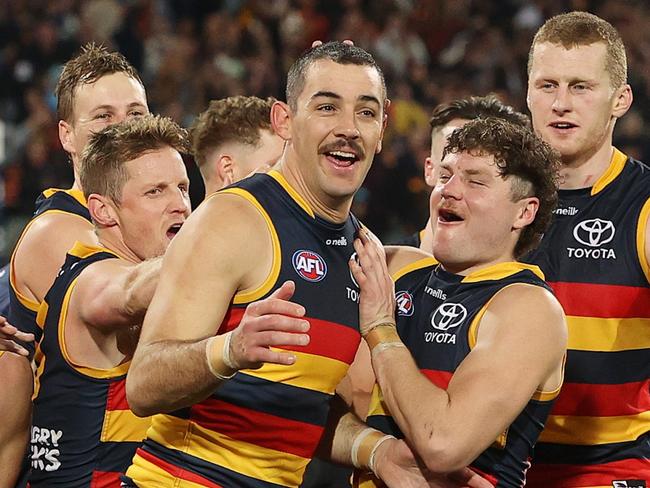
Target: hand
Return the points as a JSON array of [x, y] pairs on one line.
[[273, 321], [9, 335], [398, 468], [377, 290]]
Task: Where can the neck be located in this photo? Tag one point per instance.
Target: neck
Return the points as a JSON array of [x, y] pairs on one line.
[[113, 241], [584, 170], [333, 209], [466, 269]]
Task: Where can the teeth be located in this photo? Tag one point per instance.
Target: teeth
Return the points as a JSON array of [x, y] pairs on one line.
[[343, 154], [563, 126]]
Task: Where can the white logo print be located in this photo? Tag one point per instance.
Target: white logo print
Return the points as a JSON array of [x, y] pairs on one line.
[[594, 232], [448, 315]]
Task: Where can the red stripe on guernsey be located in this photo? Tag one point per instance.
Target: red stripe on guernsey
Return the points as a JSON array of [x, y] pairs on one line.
[[116, 398], [175, 471], [105, 479], [562, 475], [330, 340], [327, 339], [492, 479], [603, 400], [439, 378], [602, 301], [297, 438]]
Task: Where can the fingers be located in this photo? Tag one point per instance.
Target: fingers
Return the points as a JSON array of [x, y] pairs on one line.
[[10, 346], [8, 331]]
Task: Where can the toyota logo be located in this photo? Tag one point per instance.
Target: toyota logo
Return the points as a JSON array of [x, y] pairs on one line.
[[448, 315], [594, 232]]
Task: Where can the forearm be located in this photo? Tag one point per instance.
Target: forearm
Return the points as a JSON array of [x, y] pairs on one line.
[[168, 375], [139, 287], [419, 408]]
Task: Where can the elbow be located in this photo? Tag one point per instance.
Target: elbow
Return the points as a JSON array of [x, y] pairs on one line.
[[139, 402], [445, 454]]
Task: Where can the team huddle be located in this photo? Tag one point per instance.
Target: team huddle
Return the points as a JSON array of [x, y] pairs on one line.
[[268, 331]]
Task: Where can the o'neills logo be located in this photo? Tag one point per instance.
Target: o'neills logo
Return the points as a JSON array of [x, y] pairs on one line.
[[404, 303], [309, 265], [447, 316], [593, 233]]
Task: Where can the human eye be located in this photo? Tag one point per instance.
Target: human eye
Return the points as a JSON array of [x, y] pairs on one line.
[[326, 107], [102, 116], [136, 113], [367, 112], [153, 191]]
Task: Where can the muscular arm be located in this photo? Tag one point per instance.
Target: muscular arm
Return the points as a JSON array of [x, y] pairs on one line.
[[113, 293], [211, 259], [520, 345], [15, 411], [42, 249]]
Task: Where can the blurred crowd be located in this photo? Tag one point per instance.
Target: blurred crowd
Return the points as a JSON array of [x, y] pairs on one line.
[[191, 51]]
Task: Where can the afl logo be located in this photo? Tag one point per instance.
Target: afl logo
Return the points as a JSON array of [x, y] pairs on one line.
[[594, 232], [309, 265], [448, 315], [404, 303]]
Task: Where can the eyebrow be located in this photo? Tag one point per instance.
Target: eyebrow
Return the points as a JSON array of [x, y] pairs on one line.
[[109, 106], [329, 94]]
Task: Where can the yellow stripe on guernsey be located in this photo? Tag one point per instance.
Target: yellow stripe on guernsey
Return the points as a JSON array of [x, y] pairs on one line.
[[148, 474], [501, 270], [247, 296], [641, 239], [561, 429], [279, 177], [310, 371], [419, 264], [73, 192], [77, 195], [615, 167], [82, 251], [248, 459], [599, 334], [124, 426]]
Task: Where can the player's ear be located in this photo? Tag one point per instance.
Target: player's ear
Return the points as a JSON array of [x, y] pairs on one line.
[[281, 117], [102, 210]]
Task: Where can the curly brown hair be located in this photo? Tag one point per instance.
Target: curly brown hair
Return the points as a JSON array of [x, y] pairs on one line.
[[517, 152], [103, 169], [90, 65]]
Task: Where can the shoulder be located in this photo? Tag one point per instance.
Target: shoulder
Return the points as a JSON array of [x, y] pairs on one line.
[[404, 259], [529, 305]]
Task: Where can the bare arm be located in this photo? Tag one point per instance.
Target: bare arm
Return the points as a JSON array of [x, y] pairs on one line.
[[16, 414], [520, 345], [113, 293], [210, 259], [41, 251]]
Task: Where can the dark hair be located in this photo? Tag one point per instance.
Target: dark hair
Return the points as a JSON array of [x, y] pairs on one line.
[[338, 52], [103, 161], [582, 29], [517, 152], [471, 108], [90, 65], [233, 119]]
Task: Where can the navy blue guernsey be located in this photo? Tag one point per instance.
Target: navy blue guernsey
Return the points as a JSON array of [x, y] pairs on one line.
[[438, 315], [593, 256], [22, 310], [261, 428], [83, 432]]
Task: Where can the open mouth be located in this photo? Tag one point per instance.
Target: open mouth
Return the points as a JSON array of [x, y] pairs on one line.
[[446, 215], [342, 159], [173, 230], [562, 125]]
